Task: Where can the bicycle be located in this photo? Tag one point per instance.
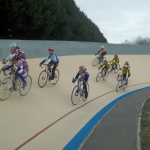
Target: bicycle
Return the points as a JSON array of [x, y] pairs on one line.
[[122, 83], [98, 60], [102, 74], [5, 73], [46, 75], [114, 67], [79, 92], [9, 84]]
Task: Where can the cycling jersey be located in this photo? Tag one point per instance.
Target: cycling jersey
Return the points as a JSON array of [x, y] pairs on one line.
[[20, 54], [83, 75], [53, 57], [106, 65], [116, 60]]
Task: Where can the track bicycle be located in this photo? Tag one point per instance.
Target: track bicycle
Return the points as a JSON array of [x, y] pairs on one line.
[[122, 83], [10, 84], [104, 73], [98, 60], [46, 75], [79, 92], [114, 67]]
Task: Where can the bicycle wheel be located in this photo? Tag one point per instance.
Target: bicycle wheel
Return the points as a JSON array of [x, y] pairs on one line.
[[117, 67], [105, 75], [75, 96], [5, 88], [5, 74], [99, 76], [56, 76], [118, 77], [95, 61], [110, 68], [42, 80], [83, 96], [119, 86], [125, 84], [26, 74], [24, 91]]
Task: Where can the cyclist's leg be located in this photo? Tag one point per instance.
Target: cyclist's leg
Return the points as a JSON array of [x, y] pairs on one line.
[[53, 70], [85, 89], [20, 75]]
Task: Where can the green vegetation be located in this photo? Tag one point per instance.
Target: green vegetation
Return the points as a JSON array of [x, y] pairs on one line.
[[145, 126], [46, 20]]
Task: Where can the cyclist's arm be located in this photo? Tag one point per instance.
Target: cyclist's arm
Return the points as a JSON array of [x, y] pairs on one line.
[[45, 60], [86, 77], [77, 76], [8, 67]]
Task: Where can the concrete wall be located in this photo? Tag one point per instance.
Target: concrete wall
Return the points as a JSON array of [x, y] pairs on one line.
[[36, 49]]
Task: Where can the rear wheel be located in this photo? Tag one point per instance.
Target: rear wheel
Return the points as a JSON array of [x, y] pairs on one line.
[[42, 80], [56, 76], [5, 88], [95, 61], [105, 75], [125, 84], [27, 88], [75, 96]]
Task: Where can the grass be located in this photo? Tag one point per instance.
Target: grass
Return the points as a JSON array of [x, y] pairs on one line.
[[145, 126]]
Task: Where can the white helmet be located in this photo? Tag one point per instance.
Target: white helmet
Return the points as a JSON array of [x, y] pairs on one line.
[[102, 47], [126, 62], [13, 45], [105, 60]]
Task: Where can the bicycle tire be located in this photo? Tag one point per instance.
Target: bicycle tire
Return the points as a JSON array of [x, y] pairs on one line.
[[119, 86], [2, 75], [118, 77], [26, 90], [83, 96], [95, 61], [56, 76], [117, 67], [78, 95], [106, 76], [7, 87], [99, 76], [42, 77], [124, 85]]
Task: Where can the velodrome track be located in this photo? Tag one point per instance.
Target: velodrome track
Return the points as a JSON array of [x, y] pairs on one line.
[[45, 119]]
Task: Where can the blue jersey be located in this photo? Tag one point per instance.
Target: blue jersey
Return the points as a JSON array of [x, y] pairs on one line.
[[53, 57], [83, 75]]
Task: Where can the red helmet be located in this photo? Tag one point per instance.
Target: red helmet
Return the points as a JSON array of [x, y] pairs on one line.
[[51, 49]]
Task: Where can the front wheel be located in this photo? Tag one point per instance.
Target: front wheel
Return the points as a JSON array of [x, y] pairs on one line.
[[125, 84], [75, 96], [95, 61], [119, 86], [99, 76], [5, 88], [27, 88], [42, 80]]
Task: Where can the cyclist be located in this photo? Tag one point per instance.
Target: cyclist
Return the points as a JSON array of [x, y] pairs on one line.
[[125, 73], [85, 76], [22, 68], [102, 52], [115, 60], [106, 65], [15, 50], [54, 61], [127, 63]]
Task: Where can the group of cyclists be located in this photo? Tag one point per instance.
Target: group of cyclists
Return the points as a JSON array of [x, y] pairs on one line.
[[125, 69], [17, 59]]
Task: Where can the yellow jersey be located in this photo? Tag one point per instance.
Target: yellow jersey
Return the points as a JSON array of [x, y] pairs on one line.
[[106, 64], [125, 71], [116, 60]]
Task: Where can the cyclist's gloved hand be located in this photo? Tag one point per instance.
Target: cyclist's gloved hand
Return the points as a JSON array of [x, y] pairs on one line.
[[73, 80]]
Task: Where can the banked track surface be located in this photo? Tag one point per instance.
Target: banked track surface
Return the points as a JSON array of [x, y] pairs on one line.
[[46, 119]]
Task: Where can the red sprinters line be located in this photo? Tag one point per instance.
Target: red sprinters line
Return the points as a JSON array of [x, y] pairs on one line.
[[67, 115]]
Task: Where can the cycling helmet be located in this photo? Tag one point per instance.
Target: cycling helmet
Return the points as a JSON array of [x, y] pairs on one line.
[[13, 45], [84, 68], [102, 47], [81, 67], [105, 60], [51, 49], [116, 55], [127, 62]]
